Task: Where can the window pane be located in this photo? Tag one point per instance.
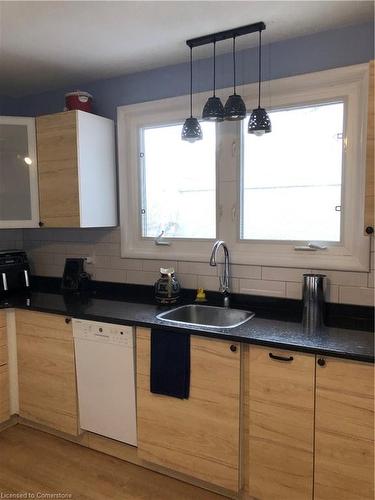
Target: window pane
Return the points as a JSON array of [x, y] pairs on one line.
[[292, 176], [179, 183]]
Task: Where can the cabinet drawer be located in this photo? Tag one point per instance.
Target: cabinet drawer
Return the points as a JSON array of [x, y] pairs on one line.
[[344, 435], [280, 419], [3, 355], [198, 436], [3, 336], [36, 324], [2, 319], [4, 393]]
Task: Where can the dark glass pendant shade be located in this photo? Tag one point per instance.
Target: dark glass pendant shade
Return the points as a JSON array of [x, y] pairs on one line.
[[191, 131], [259, 122], [213, 110], [234, 108]]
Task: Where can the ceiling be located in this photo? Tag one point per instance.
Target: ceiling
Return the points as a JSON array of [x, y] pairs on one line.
[[47, 45]]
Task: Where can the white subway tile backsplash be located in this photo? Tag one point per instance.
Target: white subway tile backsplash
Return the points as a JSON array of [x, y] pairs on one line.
[[155, 265], [345, 278], [283, 274], [188, 281], [208, 282], [238, 271], [370, 282], [115, 275], [199, 268], [142, 277], [107, 249], [294, 290], [263, 287], [356, 295], [48, 248]]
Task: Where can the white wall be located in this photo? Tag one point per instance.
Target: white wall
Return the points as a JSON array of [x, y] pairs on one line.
[[48, 248]]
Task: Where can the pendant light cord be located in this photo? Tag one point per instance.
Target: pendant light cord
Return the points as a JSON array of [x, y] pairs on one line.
[[191, 82], [234, 64], [260, 66]]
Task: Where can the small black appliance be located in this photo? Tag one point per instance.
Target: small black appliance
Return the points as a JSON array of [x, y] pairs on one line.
[[14, 271], [74, 278]]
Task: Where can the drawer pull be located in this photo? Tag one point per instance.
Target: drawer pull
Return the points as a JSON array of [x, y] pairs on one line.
[[280, 358], [68, 320], [321, 362], [233, 348]]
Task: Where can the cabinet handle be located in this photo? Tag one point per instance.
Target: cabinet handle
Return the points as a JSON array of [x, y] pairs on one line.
[[41, 224], [321, 362], [369, 229], [280, 358], [233, 348], [68, 320]]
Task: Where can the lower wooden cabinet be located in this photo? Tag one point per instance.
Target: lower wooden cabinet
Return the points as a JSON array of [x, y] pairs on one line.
[[198, 436], [279, 426], [46, 370], [344, 436], [4, 373]]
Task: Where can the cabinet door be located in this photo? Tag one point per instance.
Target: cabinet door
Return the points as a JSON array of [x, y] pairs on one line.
[[370, 158], [198, 436], [18, 173], [4, 377], [279, 408], [46, 370], [344, 437], [58, 169]]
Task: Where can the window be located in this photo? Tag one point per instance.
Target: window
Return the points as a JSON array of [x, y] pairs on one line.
[[178, 183], [300, 187], [291, 178]]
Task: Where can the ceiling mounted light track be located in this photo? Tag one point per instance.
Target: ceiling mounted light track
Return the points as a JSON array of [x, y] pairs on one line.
[[235, 108]]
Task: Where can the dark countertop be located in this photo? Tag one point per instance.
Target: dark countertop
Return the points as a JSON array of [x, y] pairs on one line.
[[341, 342]]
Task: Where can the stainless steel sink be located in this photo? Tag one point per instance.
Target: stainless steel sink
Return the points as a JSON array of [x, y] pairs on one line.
[[217, 317]]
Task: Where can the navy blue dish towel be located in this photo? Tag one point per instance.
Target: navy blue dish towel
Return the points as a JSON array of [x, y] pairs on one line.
[[170, 363]]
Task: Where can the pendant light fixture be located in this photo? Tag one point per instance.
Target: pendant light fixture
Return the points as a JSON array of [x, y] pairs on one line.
[[234, 108], [191, 131], [259, 122], [213, 109]]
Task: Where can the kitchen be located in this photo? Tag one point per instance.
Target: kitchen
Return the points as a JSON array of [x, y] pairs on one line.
[[186, 296]]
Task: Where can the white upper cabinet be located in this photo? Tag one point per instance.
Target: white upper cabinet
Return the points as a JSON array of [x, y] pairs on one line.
[[19, 207], [77, 170]]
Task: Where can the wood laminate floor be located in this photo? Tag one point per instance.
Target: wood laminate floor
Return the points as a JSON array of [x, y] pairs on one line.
[[35, 462]]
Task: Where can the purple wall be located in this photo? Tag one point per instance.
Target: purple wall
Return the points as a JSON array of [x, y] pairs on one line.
[[320, 51]]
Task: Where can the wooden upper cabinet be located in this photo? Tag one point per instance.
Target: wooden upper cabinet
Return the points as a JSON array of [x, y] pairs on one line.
[[46, 371], [344, 436], [370, 158], [198, 436], [278, 424], [76, 170], [4, 374]]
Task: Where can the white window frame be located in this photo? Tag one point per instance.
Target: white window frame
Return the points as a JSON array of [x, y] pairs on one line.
[[352, 253]]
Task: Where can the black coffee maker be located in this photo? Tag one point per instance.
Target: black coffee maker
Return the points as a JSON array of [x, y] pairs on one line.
[[14, 271]]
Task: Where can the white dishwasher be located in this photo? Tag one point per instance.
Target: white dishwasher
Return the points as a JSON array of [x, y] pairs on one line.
[[106, 379]]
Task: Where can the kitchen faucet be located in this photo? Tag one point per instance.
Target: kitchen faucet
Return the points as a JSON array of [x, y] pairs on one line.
[[224, 279]]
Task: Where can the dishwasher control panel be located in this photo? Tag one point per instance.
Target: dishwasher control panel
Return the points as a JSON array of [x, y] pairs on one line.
[[103, 332]]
